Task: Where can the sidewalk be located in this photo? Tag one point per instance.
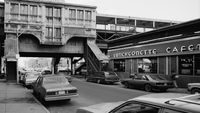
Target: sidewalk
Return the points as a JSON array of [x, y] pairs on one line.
[[178, 90], [14, 98]]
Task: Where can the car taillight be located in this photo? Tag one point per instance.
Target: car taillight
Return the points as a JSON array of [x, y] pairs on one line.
[[72, 91]]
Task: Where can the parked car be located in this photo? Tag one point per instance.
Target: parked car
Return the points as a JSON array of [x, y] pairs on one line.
[[53, 87], [148, 82], [103, 77], [194, 88], [150, 103], [66, 74], [29, 78]]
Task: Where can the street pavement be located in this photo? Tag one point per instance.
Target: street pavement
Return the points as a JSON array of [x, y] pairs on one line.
[[93, 93], [14, 98], [172, 90]]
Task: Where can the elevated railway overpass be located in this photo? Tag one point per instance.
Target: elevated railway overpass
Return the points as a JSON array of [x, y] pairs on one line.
[[46, 28], [109, 27]]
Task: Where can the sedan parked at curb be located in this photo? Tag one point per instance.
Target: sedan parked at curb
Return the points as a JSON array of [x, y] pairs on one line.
[[54, 87], [148, 82], [150, 103], [29, 78], [66, 74], [194, 88], [103, 77]]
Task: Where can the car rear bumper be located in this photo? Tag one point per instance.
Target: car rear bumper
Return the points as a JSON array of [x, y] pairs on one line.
[[59, 97]]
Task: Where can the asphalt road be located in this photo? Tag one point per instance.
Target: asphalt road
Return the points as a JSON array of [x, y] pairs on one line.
[[92, 93]]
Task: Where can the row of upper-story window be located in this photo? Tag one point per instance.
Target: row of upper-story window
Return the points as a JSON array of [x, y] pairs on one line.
[[24, 9], [53, 32]]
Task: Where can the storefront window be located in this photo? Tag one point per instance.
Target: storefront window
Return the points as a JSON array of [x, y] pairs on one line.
[[147, 65], [186, 65], [119, 65], [197, 64], [189, 65]]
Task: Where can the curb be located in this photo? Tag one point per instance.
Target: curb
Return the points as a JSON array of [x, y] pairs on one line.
[[46, 110]]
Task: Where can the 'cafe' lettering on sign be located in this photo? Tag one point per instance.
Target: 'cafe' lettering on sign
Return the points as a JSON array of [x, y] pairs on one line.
[[182, 48]]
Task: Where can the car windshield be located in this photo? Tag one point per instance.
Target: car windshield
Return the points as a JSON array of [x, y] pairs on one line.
[[157, 77], [32, 75], [55, 80], [110, 74], [45, 72]]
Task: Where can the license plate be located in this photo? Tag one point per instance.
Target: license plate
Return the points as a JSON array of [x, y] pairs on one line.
[[61, 92]]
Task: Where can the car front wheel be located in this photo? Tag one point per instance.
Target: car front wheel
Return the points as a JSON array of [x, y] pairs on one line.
[[126, 84], [148, 88], [195, 91]]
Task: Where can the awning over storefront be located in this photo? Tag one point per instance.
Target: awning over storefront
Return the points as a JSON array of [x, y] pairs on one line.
[[95, 49]]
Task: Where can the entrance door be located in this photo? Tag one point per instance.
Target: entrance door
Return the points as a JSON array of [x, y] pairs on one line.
[[11, 71]]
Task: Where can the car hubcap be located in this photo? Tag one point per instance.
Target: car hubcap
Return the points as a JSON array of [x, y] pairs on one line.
[[126, 85], [147, 88]]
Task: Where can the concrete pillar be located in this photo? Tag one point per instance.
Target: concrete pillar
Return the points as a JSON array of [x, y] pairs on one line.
[[54, 65], [11, 56], [0, 66], [72, 67]]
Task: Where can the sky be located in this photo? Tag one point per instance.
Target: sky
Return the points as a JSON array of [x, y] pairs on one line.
[[177, 10]]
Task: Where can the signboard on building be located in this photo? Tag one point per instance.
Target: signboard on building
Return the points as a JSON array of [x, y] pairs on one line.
[[181, 46]]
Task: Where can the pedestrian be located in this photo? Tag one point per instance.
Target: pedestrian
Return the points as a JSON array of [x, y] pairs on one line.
[[174, 78]]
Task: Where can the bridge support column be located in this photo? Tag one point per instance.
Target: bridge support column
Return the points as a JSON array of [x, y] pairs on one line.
[[11, 56], [54, 65], [72, 66], [1, 72]]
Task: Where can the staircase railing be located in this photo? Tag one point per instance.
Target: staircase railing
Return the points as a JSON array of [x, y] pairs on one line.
[[93, 61]]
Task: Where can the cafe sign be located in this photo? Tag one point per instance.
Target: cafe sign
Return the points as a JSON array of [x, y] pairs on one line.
[[175, 47], [183, 48]]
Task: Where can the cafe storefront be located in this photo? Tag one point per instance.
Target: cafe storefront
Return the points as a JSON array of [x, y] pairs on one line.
[[180, 56]]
